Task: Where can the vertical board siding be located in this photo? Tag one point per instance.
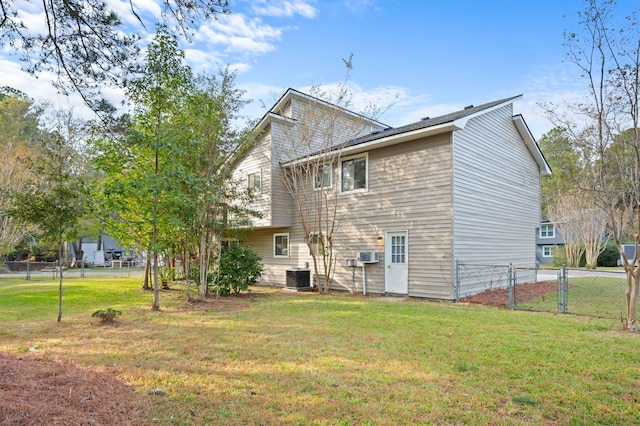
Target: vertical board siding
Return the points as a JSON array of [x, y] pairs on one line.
[[496, 192]]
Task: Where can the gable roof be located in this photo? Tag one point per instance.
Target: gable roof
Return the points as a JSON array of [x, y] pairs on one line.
[[456, 119], [441, 124], [291, 93]]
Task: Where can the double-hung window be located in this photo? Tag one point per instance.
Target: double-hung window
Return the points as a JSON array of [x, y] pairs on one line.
[[546, 251], [254, 181], [547, 231], [353, 173], [322, 176], [280, 245]]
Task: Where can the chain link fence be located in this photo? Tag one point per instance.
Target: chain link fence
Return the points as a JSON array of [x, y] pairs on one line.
[[595, 293], [49, 270], [472, 279]]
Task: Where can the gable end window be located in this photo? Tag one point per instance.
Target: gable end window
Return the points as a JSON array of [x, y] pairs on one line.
[[254, 181], [322, 176], [547, 231], [353, 173], [280, 245]]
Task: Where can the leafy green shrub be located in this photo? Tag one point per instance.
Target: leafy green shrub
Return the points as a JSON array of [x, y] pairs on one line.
[[194, 274], [610, 255], [239, 268], [106, 316]]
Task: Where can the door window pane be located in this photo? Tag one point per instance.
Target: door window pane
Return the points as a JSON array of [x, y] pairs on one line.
[[398, 249]]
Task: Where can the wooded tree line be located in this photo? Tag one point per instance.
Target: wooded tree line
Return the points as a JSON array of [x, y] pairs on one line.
[[156, 179], [595, 149]]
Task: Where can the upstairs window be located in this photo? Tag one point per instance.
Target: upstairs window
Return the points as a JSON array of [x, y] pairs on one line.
[[322, 176], [254, 181], [353, 174], [547, 231]]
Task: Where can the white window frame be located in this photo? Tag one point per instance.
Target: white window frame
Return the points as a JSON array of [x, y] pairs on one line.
[[315, 176], [275, 240], [366, 170], [547, 226], [315, 242], [544, 251], [259, 175]]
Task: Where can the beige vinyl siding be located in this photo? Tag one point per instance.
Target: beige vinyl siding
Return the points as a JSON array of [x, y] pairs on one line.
[[409, 190], [275, 268], [282, 205], [496, 192], [257, 160]]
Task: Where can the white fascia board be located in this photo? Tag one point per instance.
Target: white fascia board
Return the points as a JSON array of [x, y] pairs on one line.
[[271, 116], [290, 93], [463, 121], [531, 144], [385, 141]]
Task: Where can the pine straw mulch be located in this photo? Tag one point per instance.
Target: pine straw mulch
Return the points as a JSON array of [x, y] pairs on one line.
[[524, 293], [36, 391]]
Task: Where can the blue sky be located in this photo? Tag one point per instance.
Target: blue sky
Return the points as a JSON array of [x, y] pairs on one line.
[[423, 58]]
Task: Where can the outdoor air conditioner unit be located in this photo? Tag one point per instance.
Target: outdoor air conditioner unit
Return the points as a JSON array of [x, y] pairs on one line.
[[368, 256]]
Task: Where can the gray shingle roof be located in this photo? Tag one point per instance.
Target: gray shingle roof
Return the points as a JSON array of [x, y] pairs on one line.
[[429, 122]]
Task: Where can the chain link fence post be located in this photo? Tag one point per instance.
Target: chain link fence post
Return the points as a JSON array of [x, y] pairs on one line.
[[510, 281], [562, 289]]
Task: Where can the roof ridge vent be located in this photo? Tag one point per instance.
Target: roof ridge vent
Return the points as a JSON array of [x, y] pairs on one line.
[[469, 106], [425, 118]]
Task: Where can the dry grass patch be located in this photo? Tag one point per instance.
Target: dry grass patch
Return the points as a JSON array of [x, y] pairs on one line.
[[275, 358]]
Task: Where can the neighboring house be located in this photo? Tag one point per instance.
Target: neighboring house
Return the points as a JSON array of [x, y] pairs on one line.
[[109, 250], [548, 239], [629, 251], [460, 187]]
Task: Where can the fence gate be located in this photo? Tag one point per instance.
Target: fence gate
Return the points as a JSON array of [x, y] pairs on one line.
[[562, 290]]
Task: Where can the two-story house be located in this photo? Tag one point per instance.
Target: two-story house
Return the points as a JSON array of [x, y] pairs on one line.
[[463, 186], [548, 240]]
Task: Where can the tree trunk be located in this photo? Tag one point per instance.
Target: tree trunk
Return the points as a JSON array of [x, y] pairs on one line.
[[186, 271], [156, 284], [60, 249], [204, 264], [147, 273]]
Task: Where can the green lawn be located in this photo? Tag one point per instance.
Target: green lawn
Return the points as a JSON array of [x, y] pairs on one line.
[[279, 358], [594, 296]]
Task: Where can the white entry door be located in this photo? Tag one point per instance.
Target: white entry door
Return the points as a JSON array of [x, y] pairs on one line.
[[396, 262]]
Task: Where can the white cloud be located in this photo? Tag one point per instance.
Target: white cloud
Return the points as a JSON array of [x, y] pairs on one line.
[[41, 89], [359, 6], [239, 34], [239, 67], [202, 61], [286, 9], [148, 11]]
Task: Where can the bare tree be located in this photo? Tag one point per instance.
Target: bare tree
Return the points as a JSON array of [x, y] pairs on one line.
[[582, 225], [604, 127], [311, 156]]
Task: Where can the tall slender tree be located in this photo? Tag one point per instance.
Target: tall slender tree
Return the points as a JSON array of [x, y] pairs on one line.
[[606, 49], [54, 200]]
